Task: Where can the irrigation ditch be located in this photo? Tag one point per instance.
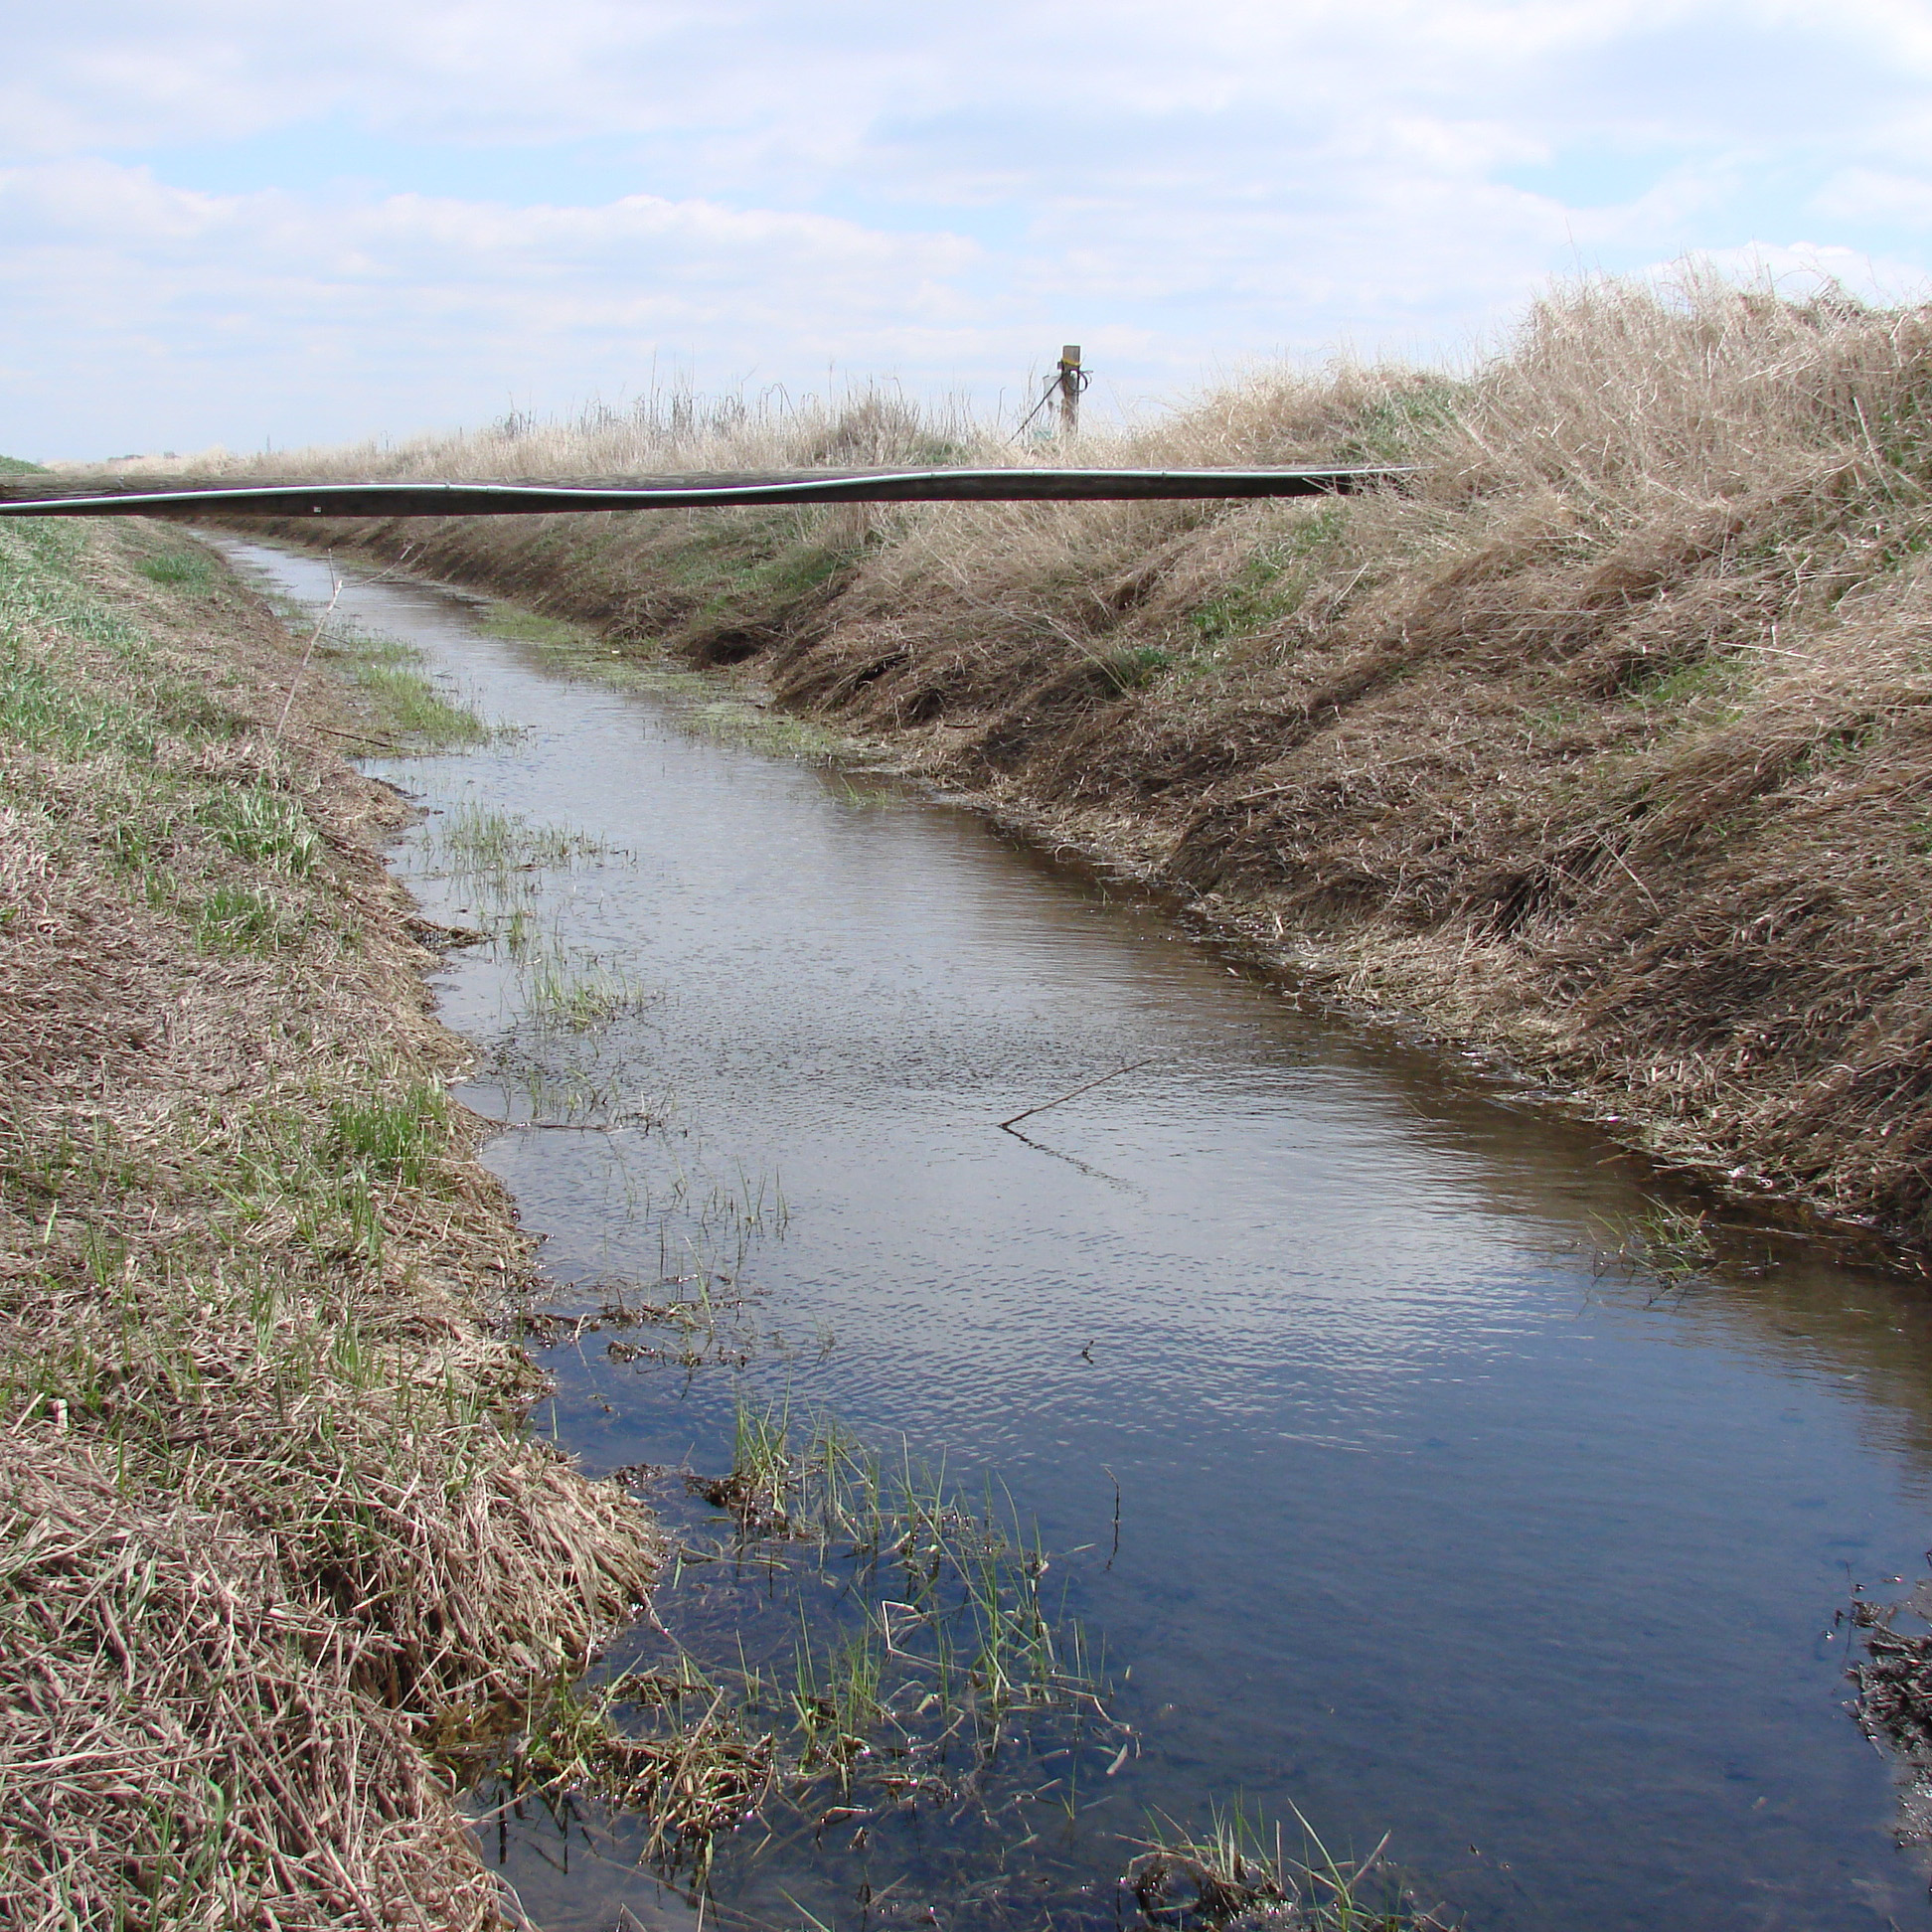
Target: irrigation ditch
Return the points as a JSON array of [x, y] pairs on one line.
[[929, 1713], [1595, 742], [1023, 1394], [1287, 1428], [1340, 1405]]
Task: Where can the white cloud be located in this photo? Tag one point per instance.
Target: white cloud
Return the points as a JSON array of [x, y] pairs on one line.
[[1870, 195], [257, 306], [95, 74], [552, 195]]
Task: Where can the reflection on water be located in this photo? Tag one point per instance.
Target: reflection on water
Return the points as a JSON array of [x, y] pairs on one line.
[[1429, 1524]]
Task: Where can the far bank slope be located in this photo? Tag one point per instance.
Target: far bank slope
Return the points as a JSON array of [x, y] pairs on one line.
[[1607, 743]]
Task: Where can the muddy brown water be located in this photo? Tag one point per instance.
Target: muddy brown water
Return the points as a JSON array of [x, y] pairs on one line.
[[1430, 1524]]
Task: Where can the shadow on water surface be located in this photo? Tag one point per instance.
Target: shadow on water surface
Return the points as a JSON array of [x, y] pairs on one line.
[[1436, 1515]]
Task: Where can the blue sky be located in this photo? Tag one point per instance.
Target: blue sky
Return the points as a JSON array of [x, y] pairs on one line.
[[245, 221]]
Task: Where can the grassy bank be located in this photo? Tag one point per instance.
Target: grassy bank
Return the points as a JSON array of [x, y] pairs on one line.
[[1605, 744], [273, 1545]]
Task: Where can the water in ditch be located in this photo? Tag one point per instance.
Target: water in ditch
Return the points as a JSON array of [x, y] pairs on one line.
[[1396, 1505]]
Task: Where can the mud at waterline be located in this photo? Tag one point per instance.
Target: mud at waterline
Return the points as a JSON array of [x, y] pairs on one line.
[[1430, 1522]]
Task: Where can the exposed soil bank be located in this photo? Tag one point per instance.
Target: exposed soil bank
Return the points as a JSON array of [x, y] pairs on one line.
[[1606, 745], [273, 1547]]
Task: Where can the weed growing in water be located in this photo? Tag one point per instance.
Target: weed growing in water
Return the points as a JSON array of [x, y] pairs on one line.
[[522, 626], [704, 1318], [1237, 1869], [933, 1679], [1675, 1245], [738, 720], [860, 798], [950, 1631], [476, 840], [580, 996], [407, 704], [413, 708], [693, 1780], [932, 1672]]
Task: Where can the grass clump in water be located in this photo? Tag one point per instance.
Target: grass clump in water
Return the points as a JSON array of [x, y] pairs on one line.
[[698, 1777], [936, 1678], [411, 706], [780, 735], [479, 841], [935, 1654], [582, 996], [1238, 1871], [403, 702], [1678, 1246], [951, 1629]]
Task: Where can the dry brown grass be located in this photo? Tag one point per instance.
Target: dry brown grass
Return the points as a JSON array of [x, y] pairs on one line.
[[666, 433], [1605, 742], [272, 1536]]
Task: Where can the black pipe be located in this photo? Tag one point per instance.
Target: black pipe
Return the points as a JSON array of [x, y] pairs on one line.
[[154, 496]]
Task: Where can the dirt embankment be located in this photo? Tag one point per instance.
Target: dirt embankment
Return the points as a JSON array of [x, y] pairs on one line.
[[274, 1551], [1606, 742]]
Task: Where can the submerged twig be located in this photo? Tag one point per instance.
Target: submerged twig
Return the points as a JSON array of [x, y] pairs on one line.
[[1006, 1126]]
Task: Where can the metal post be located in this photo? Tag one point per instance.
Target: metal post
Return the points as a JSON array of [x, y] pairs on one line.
[[1072, 382]]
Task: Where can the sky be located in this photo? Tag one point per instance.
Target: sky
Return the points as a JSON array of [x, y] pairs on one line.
[[263, 222]]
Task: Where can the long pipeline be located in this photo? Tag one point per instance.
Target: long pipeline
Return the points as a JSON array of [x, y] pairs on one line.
[[132, 496]]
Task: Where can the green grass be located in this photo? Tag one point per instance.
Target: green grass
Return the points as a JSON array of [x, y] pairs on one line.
[[551, 634], [83, 686], [1273, 580], [780, 735], [406, 705], [1405, 426], [1679, 686], [1134, 668], [217, 1244], [50, 620], [746, 583], [268, 827], [1676, 1245], [411, 706], [243, 918], [479, 838], [392, 1136], [578, 995], [179, 569], [18, 466], [1238, 1864]]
